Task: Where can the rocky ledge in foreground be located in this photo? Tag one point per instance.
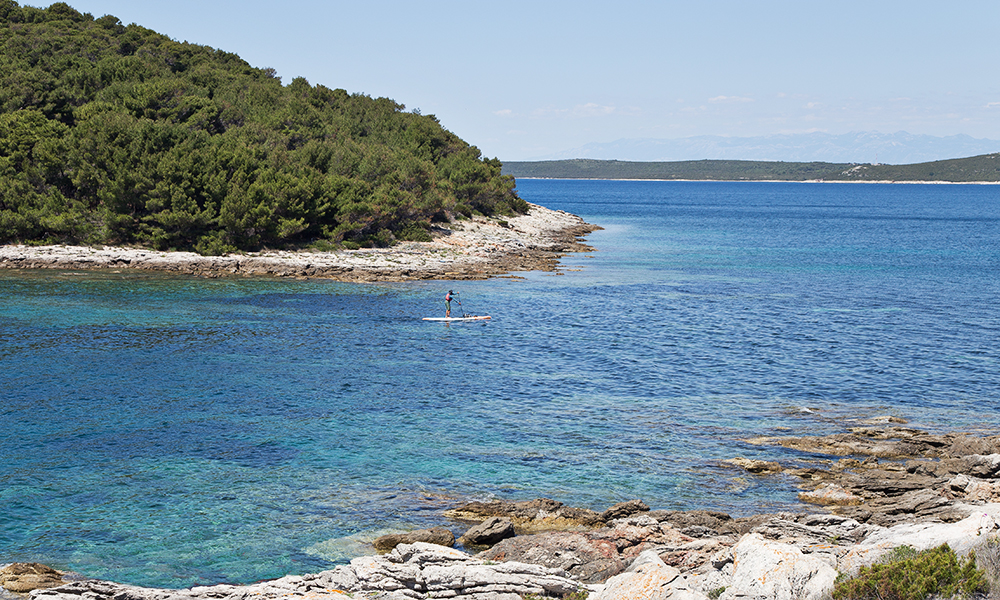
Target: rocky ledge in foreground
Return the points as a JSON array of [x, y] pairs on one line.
[[875, 488], [476, 248]]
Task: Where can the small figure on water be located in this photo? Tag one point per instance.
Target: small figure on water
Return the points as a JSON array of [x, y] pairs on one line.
[[447, 303]]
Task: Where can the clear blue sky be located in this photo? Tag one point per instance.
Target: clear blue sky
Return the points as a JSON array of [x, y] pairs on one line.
[[522, 79]]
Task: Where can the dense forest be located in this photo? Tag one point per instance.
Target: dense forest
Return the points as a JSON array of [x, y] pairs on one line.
[[976, 168], [114, 134]]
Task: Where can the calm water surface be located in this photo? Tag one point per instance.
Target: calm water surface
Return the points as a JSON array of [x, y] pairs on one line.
[[174, 431]]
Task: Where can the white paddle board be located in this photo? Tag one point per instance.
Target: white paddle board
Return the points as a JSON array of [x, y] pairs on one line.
[[452, 319]]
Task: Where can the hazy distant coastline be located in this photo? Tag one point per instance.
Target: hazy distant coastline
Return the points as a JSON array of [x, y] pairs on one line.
[[896, 148], [976, 169]]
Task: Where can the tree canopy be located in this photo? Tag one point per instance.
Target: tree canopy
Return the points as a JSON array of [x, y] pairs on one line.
[[115, 134]]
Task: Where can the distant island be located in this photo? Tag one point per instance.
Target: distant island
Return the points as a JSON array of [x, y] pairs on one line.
[[985, 168], [118, 135], [899, 148]]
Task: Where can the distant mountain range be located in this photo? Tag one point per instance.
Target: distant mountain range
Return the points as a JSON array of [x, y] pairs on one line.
[[858, 147]]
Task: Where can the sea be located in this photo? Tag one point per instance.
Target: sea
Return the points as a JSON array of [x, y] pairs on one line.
[[172, 431]]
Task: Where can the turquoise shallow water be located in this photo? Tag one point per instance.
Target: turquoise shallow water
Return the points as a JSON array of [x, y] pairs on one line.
[[174, 431]]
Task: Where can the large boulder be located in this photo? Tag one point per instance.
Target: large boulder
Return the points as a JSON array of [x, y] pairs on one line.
[[649, 578], [983, 466], [488, 533], [762, 569], [434, 535], [623, 510]]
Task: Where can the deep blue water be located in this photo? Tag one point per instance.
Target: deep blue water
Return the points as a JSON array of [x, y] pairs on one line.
[[174, 431]]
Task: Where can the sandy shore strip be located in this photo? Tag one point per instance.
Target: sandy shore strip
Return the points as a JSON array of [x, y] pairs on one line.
[[476, 248]]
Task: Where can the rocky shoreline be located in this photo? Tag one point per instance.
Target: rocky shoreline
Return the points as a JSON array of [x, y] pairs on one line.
[[874, 488], [476, 248]]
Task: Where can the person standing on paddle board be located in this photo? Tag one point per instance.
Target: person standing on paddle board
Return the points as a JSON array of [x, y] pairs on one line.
[[447, 303]]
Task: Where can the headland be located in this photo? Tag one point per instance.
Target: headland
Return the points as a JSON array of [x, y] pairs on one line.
[[474, 248]]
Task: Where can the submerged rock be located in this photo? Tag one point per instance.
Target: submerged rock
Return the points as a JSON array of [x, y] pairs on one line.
[[541, 514], [757, 467]]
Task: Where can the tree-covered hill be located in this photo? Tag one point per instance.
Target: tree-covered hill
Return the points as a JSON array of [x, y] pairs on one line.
[[114, 134], [973, 169]]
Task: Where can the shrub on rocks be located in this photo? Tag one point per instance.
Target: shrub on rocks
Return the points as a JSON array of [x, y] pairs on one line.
[[988, 559], [911, 575]]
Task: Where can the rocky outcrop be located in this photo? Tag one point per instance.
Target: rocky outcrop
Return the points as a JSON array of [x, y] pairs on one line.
[[926, 476], [890, 479], [410, 571], [865, 505], [813, 531], [888, 442], [434, 535], [830, 494], [544, 514], [792, 556], [784, 556], [592, 556]]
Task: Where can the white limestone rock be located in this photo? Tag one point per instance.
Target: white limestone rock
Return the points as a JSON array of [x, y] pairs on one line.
[[649, 578], [763, 569]]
